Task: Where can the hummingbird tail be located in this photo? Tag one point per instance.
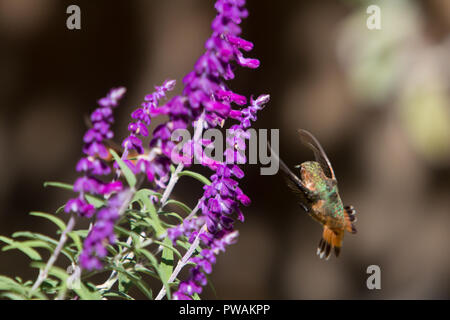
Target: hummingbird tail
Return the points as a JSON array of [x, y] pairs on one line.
[[350, 218], [329, 240]]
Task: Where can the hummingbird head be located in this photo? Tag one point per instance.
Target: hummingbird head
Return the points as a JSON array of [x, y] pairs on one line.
[[310, 169], [311, 173], [313, 176]]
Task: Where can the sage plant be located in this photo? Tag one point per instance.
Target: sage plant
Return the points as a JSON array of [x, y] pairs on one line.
[[137, 229]]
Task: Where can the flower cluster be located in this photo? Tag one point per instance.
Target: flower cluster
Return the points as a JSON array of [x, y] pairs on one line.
[[102, 232], [206, 102], [155, 165], [197, 278], [206, 91], [142, 117], [220, 200], [97, 155]]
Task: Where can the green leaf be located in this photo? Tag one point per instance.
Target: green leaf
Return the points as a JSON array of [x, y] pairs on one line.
[[186, 245], [150, 257], [12, 296], [76, 240], [123, 244], [151, 223], [126, 278], [172, 214], [195, 175], [60, 185], [81, 233], [144, 289], [60, 209], [196, 296], [140, 268], [143, 197], [179, 204], [114, 294], [30, 252], [54, 271], [60, 274], [112, 250], [96, 202], [82, 291], [154, 263], [61, 225], [133, 235], [15, 289], [32, 235], [85, 294], [167, 244], [166, 265], [121, 270], [47, 242], [129, 176], [38, 244], [8, 284], [147, 193], [211, 285], [124, 282]]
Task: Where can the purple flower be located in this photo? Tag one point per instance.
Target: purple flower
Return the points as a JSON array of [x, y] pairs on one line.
[[206, 92], [205, 86], [102, 233], [156, 168], [179, 296], [80, 206], [93, 164], [219, 201]]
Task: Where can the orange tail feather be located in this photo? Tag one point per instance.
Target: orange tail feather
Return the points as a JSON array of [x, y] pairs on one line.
[[329, 240]]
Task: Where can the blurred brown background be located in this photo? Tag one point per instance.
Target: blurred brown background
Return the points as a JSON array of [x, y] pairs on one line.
[[377, 100]]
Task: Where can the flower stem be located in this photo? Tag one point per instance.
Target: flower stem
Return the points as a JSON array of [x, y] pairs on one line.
[[62, 240], [181, 263], [175, 175], [173, 180]]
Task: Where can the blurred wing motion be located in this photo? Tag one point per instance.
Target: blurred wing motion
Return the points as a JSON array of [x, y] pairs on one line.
[[292, 180], [311, 142]]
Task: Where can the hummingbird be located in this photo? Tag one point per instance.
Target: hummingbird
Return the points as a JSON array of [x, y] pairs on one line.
[[319, 195]]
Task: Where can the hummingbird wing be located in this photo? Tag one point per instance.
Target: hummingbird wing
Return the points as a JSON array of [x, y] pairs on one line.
[[312, 143], [292, 180]]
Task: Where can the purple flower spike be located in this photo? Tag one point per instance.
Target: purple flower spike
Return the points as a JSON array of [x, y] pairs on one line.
[[220, 199], [101, 234], [92, 164], [157, 168], [206, 91]]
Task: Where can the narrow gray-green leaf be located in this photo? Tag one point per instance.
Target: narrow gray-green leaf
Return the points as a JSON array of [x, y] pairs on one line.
[[195, 175], [30, 252], [179, 204], [129, 176], [143, 197], [61, 225], [60, 185], [167, 244], [154, 263], [167, 262]]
